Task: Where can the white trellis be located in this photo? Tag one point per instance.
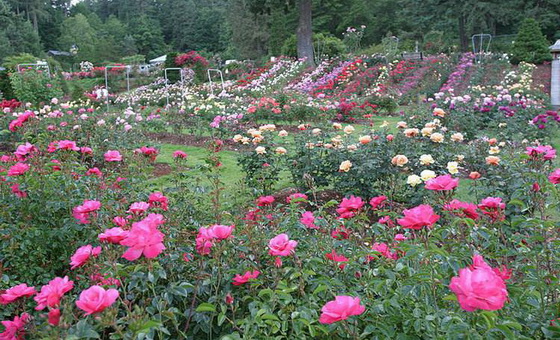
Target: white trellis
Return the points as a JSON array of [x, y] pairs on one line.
[[212, 83], [38, 66], [181, 73], [481, 44], [127, 70]]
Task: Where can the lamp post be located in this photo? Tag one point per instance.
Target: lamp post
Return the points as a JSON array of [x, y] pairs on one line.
[[555, 76]]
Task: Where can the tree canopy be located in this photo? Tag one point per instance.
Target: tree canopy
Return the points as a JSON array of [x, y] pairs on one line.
[[108, 30]]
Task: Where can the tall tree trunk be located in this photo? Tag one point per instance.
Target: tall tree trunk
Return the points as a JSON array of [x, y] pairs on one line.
[[305, 32], [463, 40], [35, 21]]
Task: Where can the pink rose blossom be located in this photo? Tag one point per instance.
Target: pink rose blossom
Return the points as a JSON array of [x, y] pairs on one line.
[[82, 212], [298, 196], [95, 299], [18, 169], [144, 239], [138, 208], [54, 317], [350, 206], [238, 280], [16, 292], [179, 154], [554, 176], [340, 309], [418, 217], [113, 235], [281, 245], [51, 293], [462, 209], [158, 200], [377, 202], [384, 250], [442, 183], [82, 255], [113, 156], [337, 258], [479, 287], [264, 201], [308, 220], [15, 330]]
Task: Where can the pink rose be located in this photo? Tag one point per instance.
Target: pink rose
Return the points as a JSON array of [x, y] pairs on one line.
[[265, 200], [82, 255], [220, 232], [18, 169], [54, 317], [462, 209], [418, 217], [138, 208], [113, 156], [479, 287], [442, 183], [350, 206], [179, 154], [554, 176], [113, 235], [281, 245], [378, 202], [308, 220], [337, 258], [144, 239], [238, 280], [52, 292], [16, 292], [340, 309], [95, 299]]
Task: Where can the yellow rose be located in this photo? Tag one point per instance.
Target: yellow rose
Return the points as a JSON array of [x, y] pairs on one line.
[[399, 160], [426, 160], [494, 150], [411, 132], [348, 129], [345, 166], [402, 125], [337, 126], [453, 167], [282, 133], [439, 112], [457, 137], [436, 137], [280, 150], [426, 132], [260, 150], [427, 174], [413, 180]]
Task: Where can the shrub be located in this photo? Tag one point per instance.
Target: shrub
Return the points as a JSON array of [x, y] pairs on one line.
[[530, 44]]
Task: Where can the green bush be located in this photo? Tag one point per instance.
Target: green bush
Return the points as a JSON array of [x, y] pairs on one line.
[[530, 45], [35, 87], [325, 46]]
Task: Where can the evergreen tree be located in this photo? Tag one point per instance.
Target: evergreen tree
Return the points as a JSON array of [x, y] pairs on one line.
[[76, 30], [530, 44]]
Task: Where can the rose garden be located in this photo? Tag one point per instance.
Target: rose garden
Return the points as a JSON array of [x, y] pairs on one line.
[[359, 198]]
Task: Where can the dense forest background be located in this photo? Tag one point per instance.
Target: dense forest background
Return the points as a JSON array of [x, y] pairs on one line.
[[108, 30]]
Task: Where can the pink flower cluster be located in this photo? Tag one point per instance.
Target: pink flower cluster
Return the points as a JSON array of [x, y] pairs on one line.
[[144, 238], [350, 206], [208, 236]]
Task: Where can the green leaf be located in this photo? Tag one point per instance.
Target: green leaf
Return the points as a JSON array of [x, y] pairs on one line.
[[206, 307]]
